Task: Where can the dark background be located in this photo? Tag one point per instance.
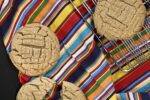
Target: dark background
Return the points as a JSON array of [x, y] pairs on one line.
[[9, 83]]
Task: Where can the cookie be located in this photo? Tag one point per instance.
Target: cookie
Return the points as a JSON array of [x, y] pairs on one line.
[[34, 49], [119, 19], [71, 92], [37, 89]]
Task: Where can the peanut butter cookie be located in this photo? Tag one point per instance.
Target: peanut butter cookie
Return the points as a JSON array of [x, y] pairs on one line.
[[34, 49], [37, 89], [119, 19], [71, 92]]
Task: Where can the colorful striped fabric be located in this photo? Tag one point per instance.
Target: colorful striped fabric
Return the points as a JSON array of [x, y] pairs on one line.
[[136, 80], [130, 96], [82, 61]]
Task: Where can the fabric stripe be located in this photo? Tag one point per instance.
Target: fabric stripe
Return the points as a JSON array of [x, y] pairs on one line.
[[127, 80], [82, 61]]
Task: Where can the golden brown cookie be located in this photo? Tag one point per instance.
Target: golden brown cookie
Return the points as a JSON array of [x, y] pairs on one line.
[[71, 92], [37, 89], [119, 19], [34, 49]]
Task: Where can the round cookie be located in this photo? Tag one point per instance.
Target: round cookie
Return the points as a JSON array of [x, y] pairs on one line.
[[37, 89], [119, 19], [71, 92], [34, 49]]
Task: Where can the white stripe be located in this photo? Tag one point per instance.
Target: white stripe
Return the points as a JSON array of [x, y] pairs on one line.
[[4, 4], [73, 59], [83, 47], [63, 69], [104, 91], [131, 96], [47, 15], [18, 22], [129, 53]]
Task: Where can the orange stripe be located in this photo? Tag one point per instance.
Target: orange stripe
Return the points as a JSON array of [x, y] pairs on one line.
[[100, 88], [1, 1], [44, 11], [137, 42]]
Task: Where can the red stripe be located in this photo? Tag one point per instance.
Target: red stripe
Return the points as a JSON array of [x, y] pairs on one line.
[[93, 71], [53, 93], [90, 73], [54, 9], [139, 82], [15, 25], [67, 26], [31, 11], [70, 57], [78, 65], [140, 97], [4, 7], [23, 78], [107, 93], [132, 76], [7, 14], [95, 79], [62, 30]]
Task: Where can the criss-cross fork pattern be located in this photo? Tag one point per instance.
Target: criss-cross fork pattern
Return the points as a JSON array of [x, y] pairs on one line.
[[140, 52]]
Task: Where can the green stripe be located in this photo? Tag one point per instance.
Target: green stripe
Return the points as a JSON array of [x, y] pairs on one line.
[[136, 96], [38, 11], [85, 52], [136, 38], [6, 10], [98, 83]]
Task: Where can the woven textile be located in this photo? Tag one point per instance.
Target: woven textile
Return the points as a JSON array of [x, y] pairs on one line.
[[82, 60]]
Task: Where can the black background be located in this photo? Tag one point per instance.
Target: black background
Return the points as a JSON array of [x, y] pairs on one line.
[[9, 83]]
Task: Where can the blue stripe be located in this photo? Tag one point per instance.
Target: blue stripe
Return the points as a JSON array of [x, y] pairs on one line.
[[107, 45], [137, 81], [73, 31], [6, 9], [79, 40], [81, 67], [49, 11], [24, 14], [123, 96], [97, 71], [70, 49], [104, 89], [18, 25], [144, 88], [91, 78]]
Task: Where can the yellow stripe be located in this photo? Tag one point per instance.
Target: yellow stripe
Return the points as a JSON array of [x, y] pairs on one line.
[[144, 83], [92, 67], [119, 74], [137, 95], [96, 63], [100, 88], [114, 97], [69, 43], [72, 68], [6, 11], [63, 15], [98, 79], [124, 50], [74, 38]]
